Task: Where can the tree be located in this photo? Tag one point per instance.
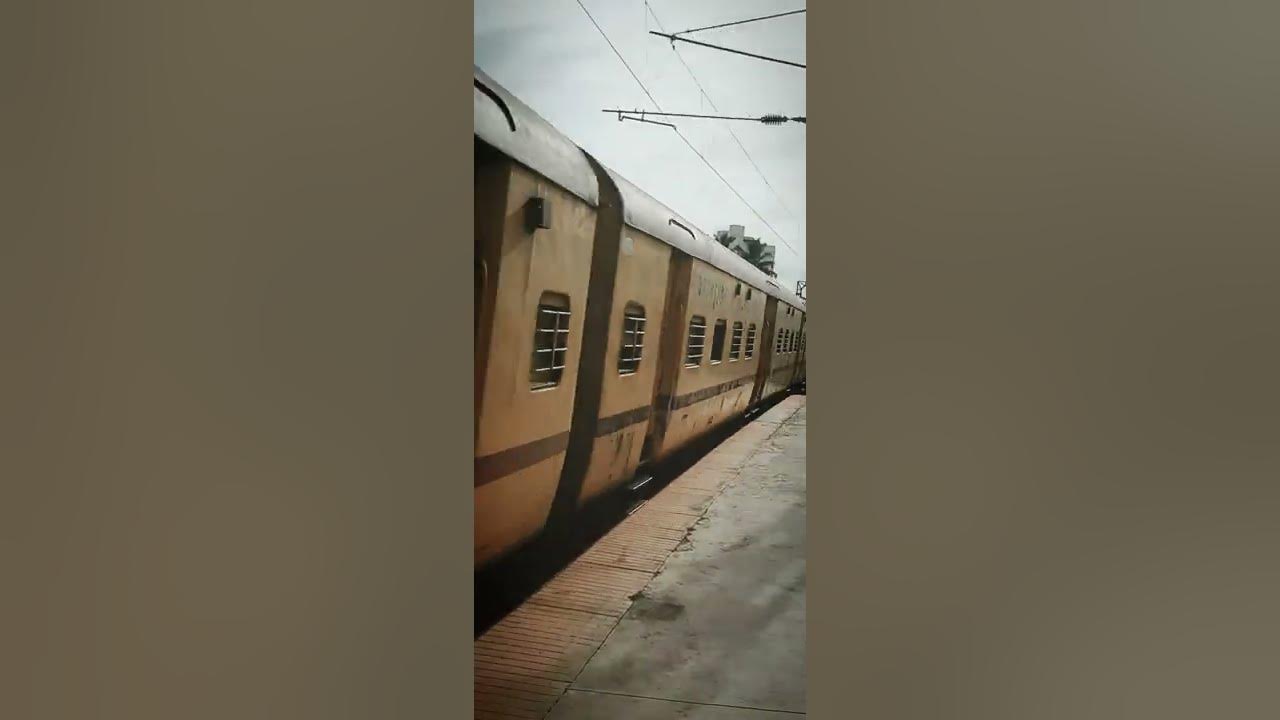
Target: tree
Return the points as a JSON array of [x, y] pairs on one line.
[[754, 252], [755, 256]]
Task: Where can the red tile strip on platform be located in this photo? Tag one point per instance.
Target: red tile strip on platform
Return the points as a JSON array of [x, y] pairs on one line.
[[524, 663]]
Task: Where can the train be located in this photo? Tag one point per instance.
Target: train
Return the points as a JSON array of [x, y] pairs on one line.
[[610, 333]]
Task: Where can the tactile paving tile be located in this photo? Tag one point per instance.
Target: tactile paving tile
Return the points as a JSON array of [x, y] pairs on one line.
[[601, 581], [525, 662], [679, 500]]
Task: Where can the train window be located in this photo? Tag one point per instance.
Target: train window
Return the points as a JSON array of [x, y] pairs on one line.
[[735, 342], [738, 290], [751, 339], [748, 293], [717, 342], [777, 346], [697, 341], [632, 339], [550, 341]]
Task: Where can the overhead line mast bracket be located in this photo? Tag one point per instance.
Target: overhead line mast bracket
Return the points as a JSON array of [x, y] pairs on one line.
[[772, 119], [674, 38]]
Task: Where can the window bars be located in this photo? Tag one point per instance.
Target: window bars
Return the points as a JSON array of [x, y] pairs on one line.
[[697, 341], [550, 342], [633, 322]]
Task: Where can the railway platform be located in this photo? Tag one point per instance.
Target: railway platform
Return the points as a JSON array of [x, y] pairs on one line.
[[692, 607]]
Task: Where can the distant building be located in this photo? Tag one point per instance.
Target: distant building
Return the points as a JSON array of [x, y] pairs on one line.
[[737, 240], [760, 254]]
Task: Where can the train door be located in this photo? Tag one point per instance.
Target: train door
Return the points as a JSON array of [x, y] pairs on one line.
[[797, 364], [801, 356], [630, 363], [766, 348], [670, 351], [491, 178]]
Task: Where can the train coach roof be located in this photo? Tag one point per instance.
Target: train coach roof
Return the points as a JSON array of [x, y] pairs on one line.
[[643, 212], [515, 129]]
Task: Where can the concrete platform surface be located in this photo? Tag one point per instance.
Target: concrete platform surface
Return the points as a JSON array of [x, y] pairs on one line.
[[693, 607], [599, 706], [723, 623]]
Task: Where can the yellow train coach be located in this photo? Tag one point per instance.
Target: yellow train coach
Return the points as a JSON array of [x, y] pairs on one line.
[[609, 332]]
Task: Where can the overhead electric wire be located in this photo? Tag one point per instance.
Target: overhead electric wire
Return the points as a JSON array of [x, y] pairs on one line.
[[615, 52], [742, 22], [732, 134], [677, 130]]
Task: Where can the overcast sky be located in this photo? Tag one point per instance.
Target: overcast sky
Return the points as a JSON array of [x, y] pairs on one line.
[[548, 53]]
